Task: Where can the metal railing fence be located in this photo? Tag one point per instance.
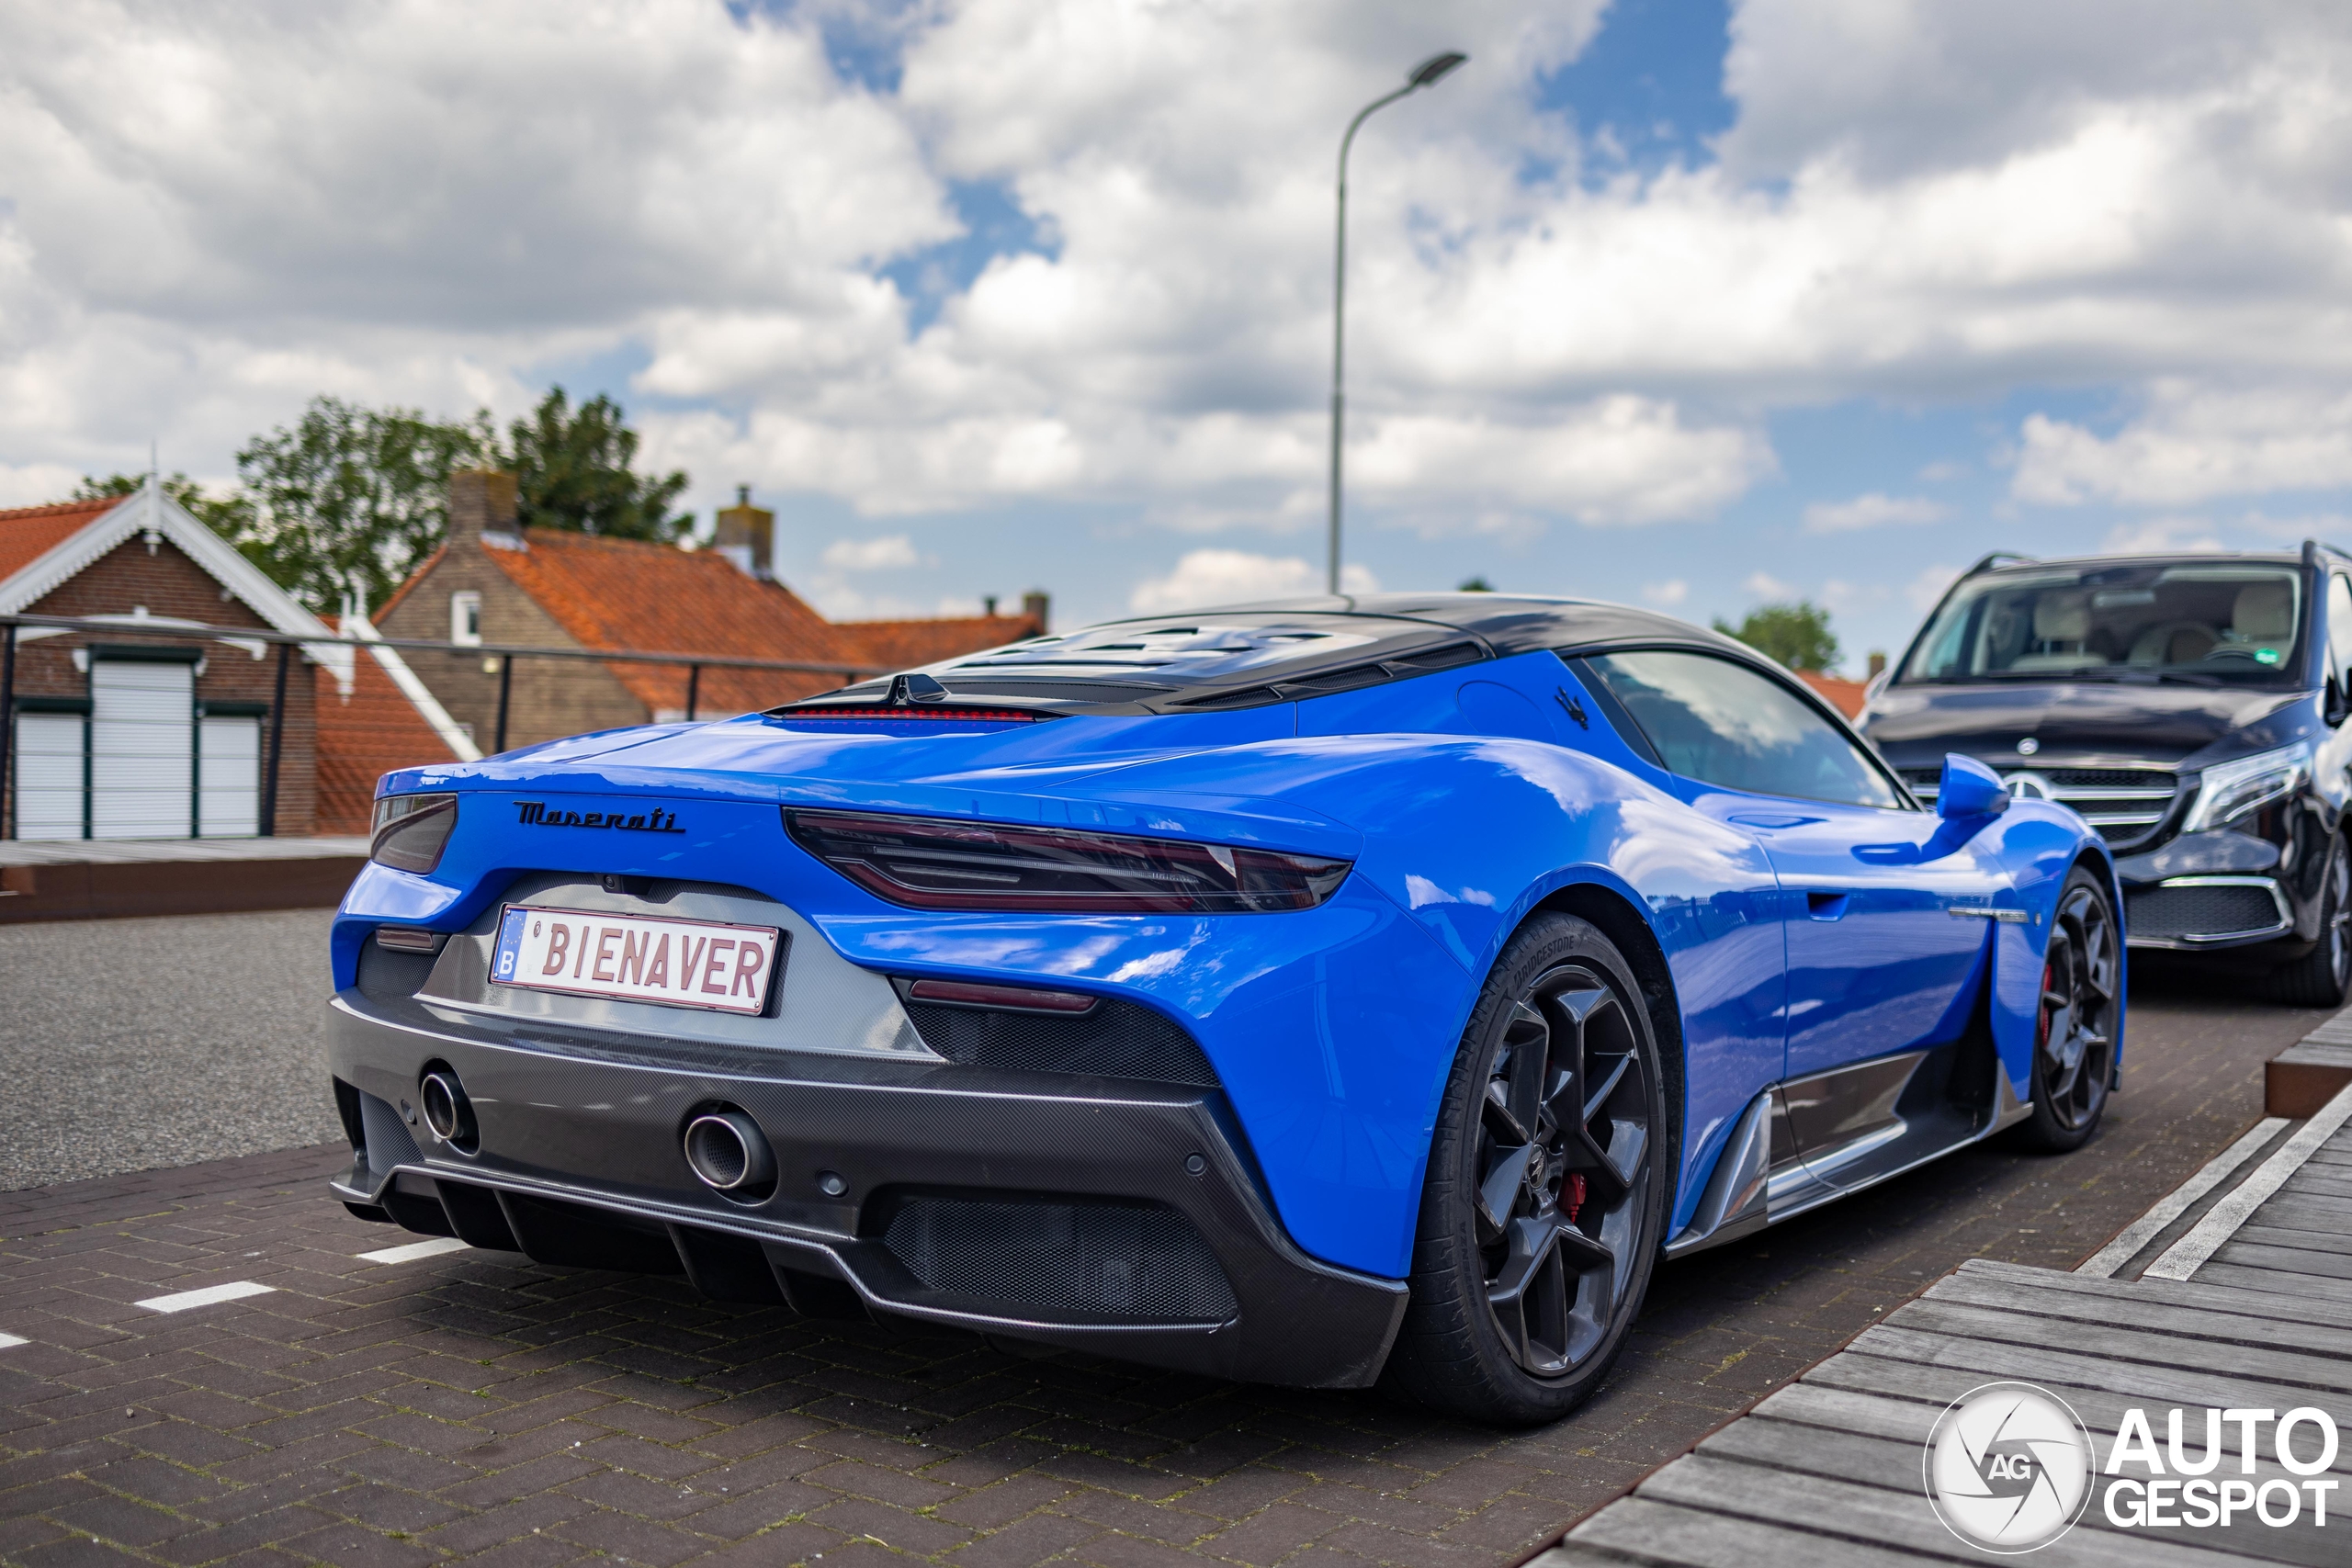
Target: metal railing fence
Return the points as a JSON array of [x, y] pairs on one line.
[[111, 627]]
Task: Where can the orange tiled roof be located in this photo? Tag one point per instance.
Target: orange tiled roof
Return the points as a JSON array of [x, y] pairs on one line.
[[659, 599], [1844, 696], [28, 532], [903, 645], [364, 737]]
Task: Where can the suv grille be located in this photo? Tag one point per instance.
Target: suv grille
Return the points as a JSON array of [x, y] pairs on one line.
[[2209, 910], [2123, 803]]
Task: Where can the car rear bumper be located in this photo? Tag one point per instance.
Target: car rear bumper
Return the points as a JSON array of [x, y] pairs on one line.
[[1123, 1218]]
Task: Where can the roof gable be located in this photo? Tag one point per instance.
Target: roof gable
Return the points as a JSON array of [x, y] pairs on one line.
[[107, 523]]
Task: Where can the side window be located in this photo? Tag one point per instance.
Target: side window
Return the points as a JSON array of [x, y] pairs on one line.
[[1719, 723], [2339, 625]]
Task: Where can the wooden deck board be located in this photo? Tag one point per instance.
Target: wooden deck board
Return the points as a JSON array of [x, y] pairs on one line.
[[2252, 1309], [2300, 1240], [2286, 1259], [1660, 1532], [1892, 1465]]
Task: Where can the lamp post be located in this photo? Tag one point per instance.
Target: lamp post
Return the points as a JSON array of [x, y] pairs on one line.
[[1427, 74]]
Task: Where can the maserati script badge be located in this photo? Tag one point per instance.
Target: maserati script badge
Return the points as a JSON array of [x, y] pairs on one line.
[[534, 814]]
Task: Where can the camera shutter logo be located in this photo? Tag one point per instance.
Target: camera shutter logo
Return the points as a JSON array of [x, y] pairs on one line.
[[2008, 1468]]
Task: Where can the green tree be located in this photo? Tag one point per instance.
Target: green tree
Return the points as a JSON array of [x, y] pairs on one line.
[[230, 515], [348, 499], [573, 469], [351, 497], [1797, 634], [1475, 585]]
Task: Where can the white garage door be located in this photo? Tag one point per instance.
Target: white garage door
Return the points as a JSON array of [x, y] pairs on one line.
[[49, 775], [228, 772], [142, 749]]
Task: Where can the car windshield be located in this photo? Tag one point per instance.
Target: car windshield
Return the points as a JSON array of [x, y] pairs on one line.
[[2199, 622]]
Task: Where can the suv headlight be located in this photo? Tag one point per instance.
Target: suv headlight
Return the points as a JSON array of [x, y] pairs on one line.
[[2230, 790], [412, 830]]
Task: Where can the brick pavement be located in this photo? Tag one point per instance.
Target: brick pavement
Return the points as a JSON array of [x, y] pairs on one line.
[[473, 1405]]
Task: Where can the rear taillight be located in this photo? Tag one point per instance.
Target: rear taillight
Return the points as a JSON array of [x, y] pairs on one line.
[[412, 830], [927, 863]]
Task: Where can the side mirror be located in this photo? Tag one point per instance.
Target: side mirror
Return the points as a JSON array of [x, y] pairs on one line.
[[1970, 789], [2333, 707]]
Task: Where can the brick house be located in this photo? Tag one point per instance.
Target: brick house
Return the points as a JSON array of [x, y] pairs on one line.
[[142, 736], [493, 581]]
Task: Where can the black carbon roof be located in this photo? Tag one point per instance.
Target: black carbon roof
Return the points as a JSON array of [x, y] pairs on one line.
[[1279, 650]]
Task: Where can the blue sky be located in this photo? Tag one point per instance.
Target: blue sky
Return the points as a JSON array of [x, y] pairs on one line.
[[1696, 304]]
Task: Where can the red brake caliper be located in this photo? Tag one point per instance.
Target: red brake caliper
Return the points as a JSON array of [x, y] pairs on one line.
[[1574, 1194]]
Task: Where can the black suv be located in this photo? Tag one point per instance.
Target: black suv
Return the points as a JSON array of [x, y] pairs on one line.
[[2191, 708]]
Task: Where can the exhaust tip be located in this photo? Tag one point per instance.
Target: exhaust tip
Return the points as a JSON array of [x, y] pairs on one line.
[[728, 1153], [446, 1110]]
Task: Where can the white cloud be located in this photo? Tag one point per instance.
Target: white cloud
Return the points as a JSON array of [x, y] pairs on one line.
[[2160, 536], [1871, 511], [1666, 594], [2191, 443], [893, 550], [1764, 586], [217, 208], [1928, 586], [1206, 578], [35, 483], [1942, 472]]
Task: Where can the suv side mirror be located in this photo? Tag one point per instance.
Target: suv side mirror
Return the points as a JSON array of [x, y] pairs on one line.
[[2333, 707], [1970, 789]]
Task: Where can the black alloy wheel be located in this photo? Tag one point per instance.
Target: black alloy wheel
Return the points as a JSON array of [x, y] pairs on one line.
[[2322, 977], [1542, 1214], [2078, 1017]]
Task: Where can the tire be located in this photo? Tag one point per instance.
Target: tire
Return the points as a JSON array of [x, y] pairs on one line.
[[2319, 979], [1544, 1205], [2077, 1019]]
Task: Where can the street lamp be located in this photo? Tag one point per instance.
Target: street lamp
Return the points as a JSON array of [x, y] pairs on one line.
[[1427, 74]]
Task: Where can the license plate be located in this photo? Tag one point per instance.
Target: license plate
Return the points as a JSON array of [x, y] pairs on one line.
[[685, 964]]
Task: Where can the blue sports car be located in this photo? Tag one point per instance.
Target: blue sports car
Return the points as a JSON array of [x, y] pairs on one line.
[[1328, 992]]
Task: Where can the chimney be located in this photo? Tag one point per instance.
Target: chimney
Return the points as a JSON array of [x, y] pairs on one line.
[[746, 536], [481, 509], [1878, 662], [987, 605], [1034, 604]]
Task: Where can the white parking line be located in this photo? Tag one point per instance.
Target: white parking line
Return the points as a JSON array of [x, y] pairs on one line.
[[9, 1339], [2103, 1263], [414, 1250], [205, 1297], [2192, 1251]]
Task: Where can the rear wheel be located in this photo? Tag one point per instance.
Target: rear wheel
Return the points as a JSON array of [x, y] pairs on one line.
[[1542, 1214], [2077, 1020], [2319, 979]]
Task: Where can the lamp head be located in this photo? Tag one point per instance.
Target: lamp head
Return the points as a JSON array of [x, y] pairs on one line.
[[1435, 69]]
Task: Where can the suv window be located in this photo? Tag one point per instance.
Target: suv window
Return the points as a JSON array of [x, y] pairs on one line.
[[2202, 622], [1720, 723]]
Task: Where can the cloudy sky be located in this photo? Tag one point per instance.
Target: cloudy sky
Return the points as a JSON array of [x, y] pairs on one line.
[[1658, 300]]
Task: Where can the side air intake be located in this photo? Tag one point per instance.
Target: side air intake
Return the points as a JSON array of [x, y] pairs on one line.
[[1115, 1039], [1134, 1262]]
